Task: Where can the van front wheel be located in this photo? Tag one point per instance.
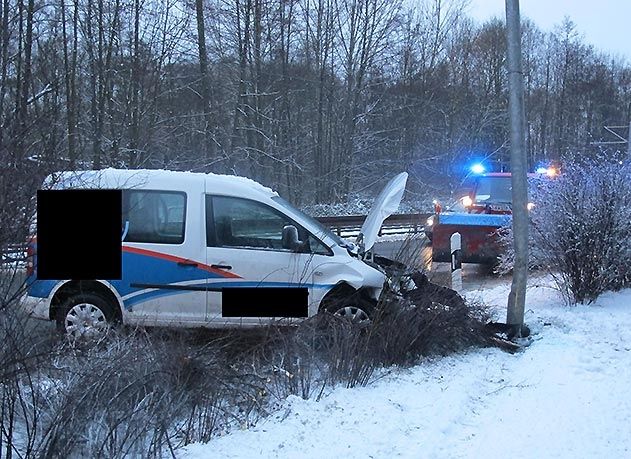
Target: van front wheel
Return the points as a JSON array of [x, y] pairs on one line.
[[85, 316], [357, 312]]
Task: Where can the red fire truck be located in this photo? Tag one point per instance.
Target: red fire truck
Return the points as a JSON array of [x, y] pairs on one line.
[[484, 205]]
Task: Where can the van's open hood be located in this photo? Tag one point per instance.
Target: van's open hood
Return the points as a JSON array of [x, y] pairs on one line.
[[385, 205]]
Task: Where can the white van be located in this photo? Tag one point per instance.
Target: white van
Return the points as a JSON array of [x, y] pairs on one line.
[[191, 238]]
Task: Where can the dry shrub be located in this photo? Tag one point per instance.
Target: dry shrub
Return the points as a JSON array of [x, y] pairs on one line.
[[431, 320]]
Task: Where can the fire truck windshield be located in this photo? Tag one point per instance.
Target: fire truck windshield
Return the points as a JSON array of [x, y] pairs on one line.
[[493, 189]]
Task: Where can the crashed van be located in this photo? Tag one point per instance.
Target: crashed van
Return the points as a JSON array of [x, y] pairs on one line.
[[214, 250]]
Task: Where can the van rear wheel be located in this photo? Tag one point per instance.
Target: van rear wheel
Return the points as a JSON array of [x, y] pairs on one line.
[[85, 316]]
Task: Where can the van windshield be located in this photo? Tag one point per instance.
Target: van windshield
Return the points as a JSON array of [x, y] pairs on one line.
[[312, 221]]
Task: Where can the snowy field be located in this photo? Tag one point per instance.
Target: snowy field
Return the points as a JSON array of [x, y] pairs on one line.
[[564, 396]]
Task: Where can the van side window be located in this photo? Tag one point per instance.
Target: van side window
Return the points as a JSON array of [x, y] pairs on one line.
[[241, 222], [154, 216]]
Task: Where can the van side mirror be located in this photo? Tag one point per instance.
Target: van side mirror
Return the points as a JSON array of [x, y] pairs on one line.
[[290, 239]]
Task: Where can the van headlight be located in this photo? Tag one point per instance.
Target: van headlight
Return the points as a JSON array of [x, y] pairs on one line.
[[393, 285], [400, 284]]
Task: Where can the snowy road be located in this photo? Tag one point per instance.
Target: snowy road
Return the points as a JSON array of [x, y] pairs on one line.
[[565, 396]]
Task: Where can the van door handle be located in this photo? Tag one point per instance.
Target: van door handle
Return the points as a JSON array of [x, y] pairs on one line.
[[226, 267], [191, 264]]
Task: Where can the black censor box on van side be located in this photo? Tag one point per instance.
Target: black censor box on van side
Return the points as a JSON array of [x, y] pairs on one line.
[[79, 234], [264, 302]]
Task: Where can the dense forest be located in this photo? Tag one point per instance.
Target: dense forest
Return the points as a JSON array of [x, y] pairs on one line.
[[320, 99]]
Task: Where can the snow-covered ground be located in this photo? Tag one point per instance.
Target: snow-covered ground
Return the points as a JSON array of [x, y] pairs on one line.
[[564, 396]]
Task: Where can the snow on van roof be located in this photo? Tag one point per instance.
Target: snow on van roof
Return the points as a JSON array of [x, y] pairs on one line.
[[129, 178]]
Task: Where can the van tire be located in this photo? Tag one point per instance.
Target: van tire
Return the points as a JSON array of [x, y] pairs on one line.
[[85, 315], [356, 309]]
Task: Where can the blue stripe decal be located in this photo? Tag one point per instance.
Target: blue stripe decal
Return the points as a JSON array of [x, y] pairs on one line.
[[143, 269], [40, 288], [159, 293], [263, 284]]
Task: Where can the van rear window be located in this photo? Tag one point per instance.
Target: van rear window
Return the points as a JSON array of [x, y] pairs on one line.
[[154, 216]]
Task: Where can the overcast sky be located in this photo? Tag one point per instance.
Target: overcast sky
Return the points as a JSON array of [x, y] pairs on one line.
[[606, 24]]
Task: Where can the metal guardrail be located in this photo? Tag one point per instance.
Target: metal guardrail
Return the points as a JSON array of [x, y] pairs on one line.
[[394, 224], [13, 253]]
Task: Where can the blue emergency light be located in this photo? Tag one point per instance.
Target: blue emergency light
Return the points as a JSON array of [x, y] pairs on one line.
[[478, 168]]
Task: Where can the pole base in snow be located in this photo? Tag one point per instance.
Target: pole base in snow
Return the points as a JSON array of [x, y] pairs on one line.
[[504, 336], [511, 330]]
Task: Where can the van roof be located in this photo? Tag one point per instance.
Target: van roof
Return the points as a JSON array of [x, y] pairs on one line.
[[161, 178]]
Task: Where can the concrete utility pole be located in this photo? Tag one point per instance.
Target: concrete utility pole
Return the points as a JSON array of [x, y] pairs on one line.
[[517, 296]]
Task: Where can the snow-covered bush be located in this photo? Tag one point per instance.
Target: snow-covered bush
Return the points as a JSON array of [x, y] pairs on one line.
[[135, 394], [580, 228], [26, 348]]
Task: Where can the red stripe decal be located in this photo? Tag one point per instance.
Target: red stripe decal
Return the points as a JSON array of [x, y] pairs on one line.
[[174, 259]]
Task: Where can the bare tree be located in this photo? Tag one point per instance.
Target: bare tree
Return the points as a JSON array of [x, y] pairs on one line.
[[70, 69], [204, 78], [319, 98], [362, 30]]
